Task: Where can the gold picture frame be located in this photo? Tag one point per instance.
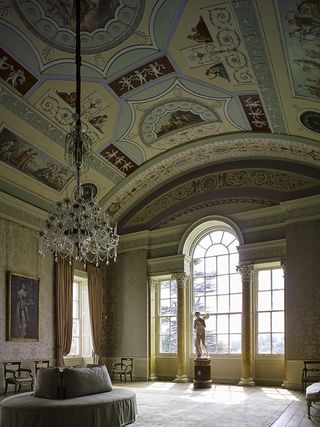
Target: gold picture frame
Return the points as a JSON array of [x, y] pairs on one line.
[[22, 307]]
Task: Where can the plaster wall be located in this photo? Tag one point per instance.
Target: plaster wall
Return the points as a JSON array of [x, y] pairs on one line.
[[19, 254], [126, 298], [303, 291]]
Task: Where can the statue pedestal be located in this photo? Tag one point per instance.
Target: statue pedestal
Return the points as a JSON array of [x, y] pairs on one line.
[[202, 373]]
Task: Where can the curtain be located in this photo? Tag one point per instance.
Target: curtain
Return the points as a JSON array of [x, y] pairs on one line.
[[64, 285], [95, 308]]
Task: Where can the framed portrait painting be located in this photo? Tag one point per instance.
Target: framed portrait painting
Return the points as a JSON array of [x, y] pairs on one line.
[[22, 308]]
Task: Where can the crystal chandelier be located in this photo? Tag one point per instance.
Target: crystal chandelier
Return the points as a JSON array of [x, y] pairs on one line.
[[79, 229]]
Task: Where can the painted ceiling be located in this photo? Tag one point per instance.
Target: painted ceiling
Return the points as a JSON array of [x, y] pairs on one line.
[[202, 100]]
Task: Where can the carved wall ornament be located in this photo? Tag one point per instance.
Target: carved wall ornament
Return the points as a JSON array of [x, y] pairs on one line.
[[142, 75], [14, 74], [254, 111], [120, 160], [181, 278], [246, 271], [201, 154], [259, 178], [216, 44], [250, 28]]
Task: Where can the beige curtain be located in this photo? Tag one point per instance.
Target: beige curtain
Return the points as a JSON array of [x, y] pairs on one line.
[[64, 285], [95, 307]]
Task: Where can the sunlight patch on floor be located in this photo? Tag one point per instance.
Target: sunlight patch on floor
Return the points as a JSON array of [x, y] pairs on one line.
[[276, 393]]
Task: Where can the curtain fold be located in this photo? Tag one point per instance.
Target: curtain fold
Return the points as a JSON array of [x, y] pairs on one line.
[[95, 308], [64, 285]]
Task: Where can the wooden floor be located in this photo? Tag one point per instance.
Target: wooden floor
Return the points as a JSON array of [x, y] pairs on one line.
[[294, 416]]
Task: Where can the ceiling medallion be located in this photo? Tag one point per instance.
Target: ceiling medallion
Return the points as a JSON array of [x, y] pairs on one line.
[[104, 23]]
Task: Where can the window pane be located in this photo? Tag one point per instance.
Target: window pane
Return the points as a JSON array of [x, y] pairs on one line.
[[278, 321], [216, 236], [264, 324], [211, 304], [235, 323], [222, 323], [235, 343], [223, 284], [199, 252], [75, 309], [165, 342], [173, 289], [278, 300], [164, 307], [75, 346], [173, 307], [233, 247], [198, 286], [264, 280], [234, 262], [227, 238], [222, 343], [165, 290], [264, 301], [223, 304], [75, 328], [198, 267], [75, 291], [211, 340], [236, 303], [223, 264], [264, 344], [199, 304], [277, 279], [211, 325], [205, 242], [235, 283], [210, 265], [211, 285], [278, 343]]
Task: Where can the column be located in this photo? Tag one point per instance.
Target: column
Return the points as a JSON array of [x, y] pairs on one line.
[[246, 272], [152, 329], [182, 280], [285, 379]]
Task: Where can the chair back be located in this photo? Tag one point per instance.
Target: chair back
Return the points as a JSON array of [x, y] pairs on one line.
[[40, 364], [128, 362], [14, 366]]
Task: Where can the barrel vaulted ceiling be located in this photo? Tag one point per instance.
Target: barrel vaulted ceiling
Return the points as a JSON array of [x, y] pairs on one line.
[[193, 106]]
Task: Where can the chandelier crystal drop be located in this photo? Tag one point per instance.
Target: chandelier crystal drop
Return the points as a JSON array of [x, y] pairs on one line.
[[79, 228]]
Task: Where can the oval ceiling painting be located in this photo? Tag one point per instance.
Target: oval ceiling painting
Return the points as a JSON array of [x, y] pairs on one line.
[[104, 23]]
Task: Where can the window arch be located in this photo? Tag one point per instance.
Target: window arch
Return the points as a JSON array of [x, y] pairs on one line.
[[217, 287]]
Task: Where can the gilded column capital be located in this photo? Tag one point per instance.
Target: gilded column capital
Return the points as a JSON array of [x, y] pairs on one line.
[[181, 278], [246, 271]]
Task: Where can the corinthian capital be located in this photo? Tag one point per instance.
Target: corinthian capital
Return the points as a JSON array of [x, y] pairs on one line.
[[181, 278], [246, 271]]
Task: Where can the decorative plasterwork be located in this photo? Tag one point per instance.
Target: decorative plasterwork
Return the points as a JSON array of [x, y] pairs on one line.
[[236, 178], [25, 112], [120, 160], [142, 75], [214, 46], [223, 207], [198, 154], [105, 24], [59, 107], [250, 28], [177, 117], [14, 74], [255, 113], [310, 119], [262, 251]]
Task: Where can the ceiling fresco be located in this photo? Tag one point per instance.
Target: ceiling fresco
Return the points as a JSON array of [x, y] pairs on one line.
[[169, 87]]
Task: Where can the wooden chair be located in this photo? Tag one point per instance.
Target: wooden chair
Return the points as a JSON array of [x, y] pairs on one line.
[[40, 364], [310, 373], [15, 375], [123, 368]]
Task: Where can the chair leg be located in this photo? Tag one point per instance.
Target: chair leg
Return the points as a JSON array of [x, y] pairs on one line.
[[5, 390], [19, 388], [309, 406]]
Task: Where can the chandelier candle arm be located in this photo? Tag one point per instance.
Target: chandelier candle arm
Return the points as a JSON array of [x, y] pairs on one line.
[[79, 228]]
